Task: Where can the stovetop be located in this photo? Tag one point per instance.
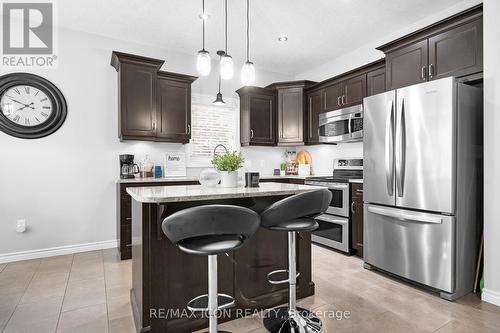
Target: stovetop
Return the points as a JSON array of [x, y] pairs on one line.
[[343, 171], [335, 179]]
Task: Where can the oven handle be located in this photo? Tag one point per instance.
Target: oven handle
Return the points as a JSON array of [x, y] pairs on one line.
[[336, 221]]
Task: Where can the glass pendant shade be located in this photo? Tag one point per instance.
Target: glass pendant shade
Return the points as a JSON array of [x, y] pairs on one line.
[[248, 74], [226, 67], [219, 100], [203, 63]]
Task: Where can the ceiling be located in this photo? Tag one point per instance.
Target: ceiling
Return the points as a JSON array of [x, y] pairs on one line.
[[318, 30]]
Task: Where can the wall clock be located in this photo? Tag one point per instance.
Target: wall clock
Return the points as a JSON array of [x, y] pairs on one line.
[[30, 106]]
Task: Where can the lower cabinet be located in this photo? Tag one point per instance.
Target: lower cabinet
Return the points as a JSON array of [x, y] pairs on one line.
[[124, 214], [357, 218]]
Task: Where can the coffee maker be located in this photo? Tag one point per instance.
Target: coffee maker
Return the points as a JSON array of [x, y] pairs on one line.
[[128, 169]]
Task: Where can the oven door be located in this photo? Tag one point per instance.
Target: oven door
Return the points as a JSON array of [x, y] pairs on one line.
[[339, 205], [333, 232], [343, 125]]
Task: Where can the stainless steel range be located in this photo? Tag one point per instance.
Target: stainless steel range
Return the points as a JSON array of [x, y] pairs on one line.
[[334, 226]]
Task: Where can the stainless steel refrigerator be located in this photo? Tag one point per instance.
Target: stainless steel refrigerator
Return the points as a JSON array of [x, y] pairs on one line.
[[423, 185]]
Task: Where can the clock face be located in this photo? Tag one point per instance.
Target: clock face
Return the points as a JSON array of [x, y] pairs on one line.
[[26, 105]]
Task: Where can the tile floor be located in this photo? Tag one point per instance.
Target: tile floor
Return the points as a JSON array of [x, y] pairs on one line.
[[89, 292]]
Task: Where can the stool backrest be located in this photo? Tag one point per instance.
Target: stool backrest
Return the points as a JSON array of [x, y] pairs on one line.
[[210, 220], [302, 205]]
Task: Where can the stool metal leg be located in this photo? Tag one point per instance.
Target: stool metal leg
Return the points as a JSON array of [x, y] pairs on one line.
[[212, 294], [292, 319]]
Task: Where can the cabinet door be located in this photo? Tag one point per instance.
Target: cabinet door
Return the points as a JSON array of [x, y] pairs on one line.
[[174, 111], [313, 111], [290, 116], [357, 218], [407, 65], [262, 122], [137, 101], [332, 96], [355, 90], [375, 82], [457, 52]]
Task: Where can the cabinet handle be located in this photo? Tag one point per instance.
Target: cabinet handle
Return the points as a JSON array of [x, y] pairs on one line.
[[251, 134], [344, 100], [431, 71], [189, 129], [422, 73], [338, 101], [154, 126], [359, 191], [353, 207]]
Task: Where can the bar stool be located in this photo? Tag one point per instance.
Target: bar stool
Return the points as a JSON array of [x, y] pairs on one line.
[[211, 230], [292, 215]]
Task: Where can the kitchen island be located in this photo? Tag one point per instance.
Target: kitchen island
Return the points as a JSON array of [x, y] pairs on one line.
[[164, 279]]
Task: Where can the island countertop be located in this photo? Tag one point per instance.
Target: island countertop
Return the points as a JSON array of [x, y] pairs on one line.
[[179, 193]]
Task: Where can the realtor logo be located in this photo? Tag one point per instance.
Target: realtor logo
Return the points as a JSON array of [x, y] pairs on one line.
[[28, 34]]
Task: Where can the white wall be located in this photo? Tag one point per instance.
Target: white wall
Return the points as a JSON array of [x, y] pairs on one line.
[[491, 292], [368, 53], [64, 184]]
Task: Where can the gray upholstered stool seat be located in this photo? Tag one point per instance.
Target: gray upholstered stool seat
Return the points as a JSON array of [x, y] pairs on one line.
[[294, 214], [211, 230]]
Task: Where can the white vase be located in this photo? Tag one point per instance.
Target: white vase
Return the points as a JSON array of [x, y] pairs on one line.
[[229, 179]]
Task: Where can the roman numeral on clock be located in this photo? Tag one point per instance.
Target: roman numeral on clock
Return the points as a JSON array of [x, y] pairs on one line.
[[17, 91], [16, 118], [46, 107], [43, 99], [26, 121], [44, 114], [27, 89]]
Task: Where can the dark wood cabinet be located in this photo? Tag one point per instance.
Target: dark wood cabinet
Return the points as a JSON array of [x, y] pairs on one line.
[[407, 65], [332, 96], [457, 52], [313, 111], [357, 218], [375, 82], [342, 94], [173, 115], [354, 90], [451, 47], [124, 212], [257, 116], [291, 113], [153, 105], [290, 116]]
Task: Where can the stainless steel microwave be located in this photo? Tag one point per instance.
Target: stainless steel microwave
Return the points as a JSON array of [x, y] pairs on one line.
[[344, 125]]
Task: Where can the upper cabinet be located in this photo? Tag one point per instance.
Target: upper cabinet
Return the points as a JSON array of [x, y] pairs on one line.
[[173, 116], [375, 82], [345, 93], [257, 116], [452, 47], [313, 111], [153, 105], [291, 113], [457, 52]]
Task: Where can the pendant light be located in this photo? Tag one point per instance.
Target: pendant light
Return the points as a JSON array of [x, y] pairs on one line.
[[203, 62], [226, 61], [248, 70], [218, 99]]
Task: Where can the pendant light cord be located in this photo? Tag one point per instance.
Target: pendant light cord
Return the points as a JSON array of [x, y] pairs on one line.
[[203, 23], [248, 30], [225, 13]]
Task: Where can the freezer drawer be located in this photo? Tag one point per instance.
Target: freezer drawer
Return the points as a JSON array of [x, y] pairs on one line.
[[414, 245]]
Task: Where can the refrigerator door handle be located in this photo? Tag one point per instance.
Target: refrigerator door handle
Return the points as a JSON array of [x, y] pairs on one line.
[[401, 151], [406, 215], [389, 148]]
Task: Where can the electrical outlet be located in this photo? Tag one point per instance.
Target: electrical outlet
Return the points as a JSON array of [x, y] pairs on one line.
[[21, 225]]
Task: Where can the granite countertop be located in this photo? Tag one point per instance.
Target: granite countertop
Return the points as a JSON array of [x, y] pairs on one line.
[[178, 193], [186, 179]]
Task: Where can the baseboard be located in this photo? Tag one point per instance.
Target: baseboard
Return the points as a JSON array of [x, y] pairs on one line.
[[491, 296], [57, 251]]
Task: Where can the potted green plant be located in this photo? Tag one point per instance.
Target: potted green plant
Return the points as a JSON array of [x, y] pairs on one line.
[[228, 165], [282, 168]]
